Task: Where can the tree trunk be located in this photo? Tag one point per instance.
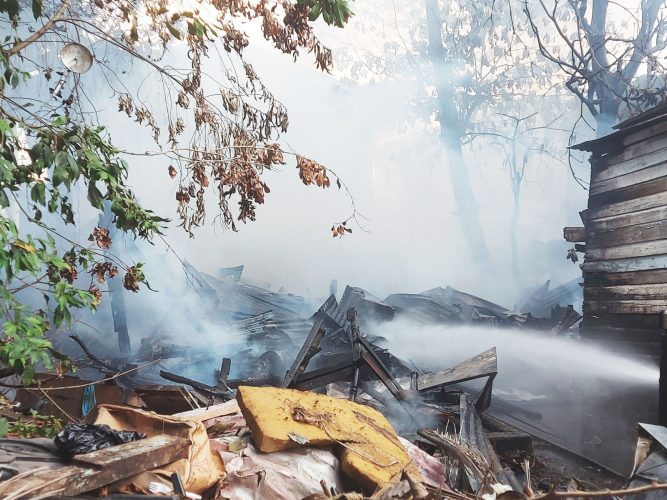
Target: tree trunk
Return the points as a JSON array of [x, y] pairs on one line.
[[450, 136], [608, 115], [514, 247]]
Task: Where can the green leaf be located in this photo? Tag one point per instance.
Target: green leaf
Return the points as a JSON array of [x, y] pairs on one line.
[[37, 8], [11, 7], [315, 12], [196, 28], [174, 32], [4, 200], [38, 193], [4, 427], [327, 17], [4, 126], [95, 196], [60, 173]]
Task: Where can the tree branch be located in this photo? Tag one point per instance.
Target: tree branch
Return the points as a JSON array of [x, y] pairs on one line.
[[19, 46]]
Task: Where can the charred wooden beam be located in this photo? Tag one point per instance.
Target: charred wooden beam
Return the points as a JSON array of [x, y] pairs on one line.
[[310, 348], [574, 234], [97, 469], [205, 388]]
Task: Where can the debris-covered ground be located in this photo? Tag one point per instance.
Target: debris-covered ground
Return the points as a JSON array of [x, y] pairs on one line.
[[313, 407]]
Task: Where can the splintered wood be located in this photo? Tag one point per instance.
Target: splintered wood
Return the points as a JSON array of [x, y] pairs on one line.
[[93, 470]]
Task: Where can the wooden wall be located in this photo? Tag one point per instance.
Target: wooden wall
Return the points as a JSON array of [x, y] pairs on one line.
[[625, 264]]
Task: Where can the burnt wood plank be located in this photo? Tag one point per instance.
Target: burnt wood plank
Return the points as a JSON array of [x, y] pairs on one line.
[[627, 292], [574, 234], [640, 190], [629, 179], [638, 233], [625, 278], [99, 468], [145, 451], [624, 306], [658, 247], [628, 219], [482, 365]]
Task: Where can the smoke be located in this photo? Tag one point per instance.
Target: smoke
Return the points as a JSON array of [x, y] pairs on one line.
[[582, 397], [411, 237], [550, 361]]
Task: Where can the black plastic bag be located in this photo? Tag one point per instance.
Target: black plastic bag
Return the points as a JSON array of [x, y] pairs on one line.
[[76, 439]]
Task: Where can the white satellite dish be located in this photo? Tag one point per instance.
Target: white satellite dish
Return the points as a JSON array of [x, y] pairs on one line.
[[76, 58]]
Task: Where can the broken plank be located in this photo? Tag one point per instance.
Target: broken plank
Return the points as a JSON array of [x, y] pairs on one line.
[[201, 414], [199, 386], [482, 365], [225, 368], [323, 376], [310, 348], [574, 234], [98, 468], [149, 452], [473, 436]]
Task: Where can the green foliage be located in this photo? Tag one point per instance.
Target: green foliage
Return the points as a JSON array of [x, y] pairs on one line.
[[58, 157], [53, 150], [334, 12], [36, 426]]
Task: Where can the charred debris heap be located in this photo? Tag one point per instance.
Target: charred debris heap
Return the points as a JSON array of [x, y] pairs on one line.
[[315, 409]]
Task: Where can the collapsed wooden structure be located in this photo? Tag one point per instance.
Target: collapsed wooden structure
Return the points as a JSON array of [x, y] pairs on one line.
[[624, 237]]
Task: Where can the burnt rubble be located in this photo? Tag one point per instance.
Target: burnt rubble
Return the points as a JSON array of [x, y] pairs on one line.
[[456, 449]]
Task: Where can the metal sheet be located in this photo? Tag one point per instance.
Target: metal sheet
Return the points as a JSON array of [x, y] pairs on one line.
[[482, 365], [657, 432]]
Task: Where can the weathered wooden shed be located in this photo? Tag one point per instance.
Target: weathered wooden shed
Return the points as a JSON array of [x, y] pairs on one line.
[[625, 231]]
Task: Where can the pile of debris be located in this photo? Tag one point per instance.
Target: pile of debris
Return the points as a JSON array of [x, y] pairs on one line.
[[316, 409]]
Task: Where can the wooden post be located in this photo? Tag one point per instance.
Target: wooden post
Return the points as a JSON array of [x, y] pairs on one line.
[[116, 290]]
